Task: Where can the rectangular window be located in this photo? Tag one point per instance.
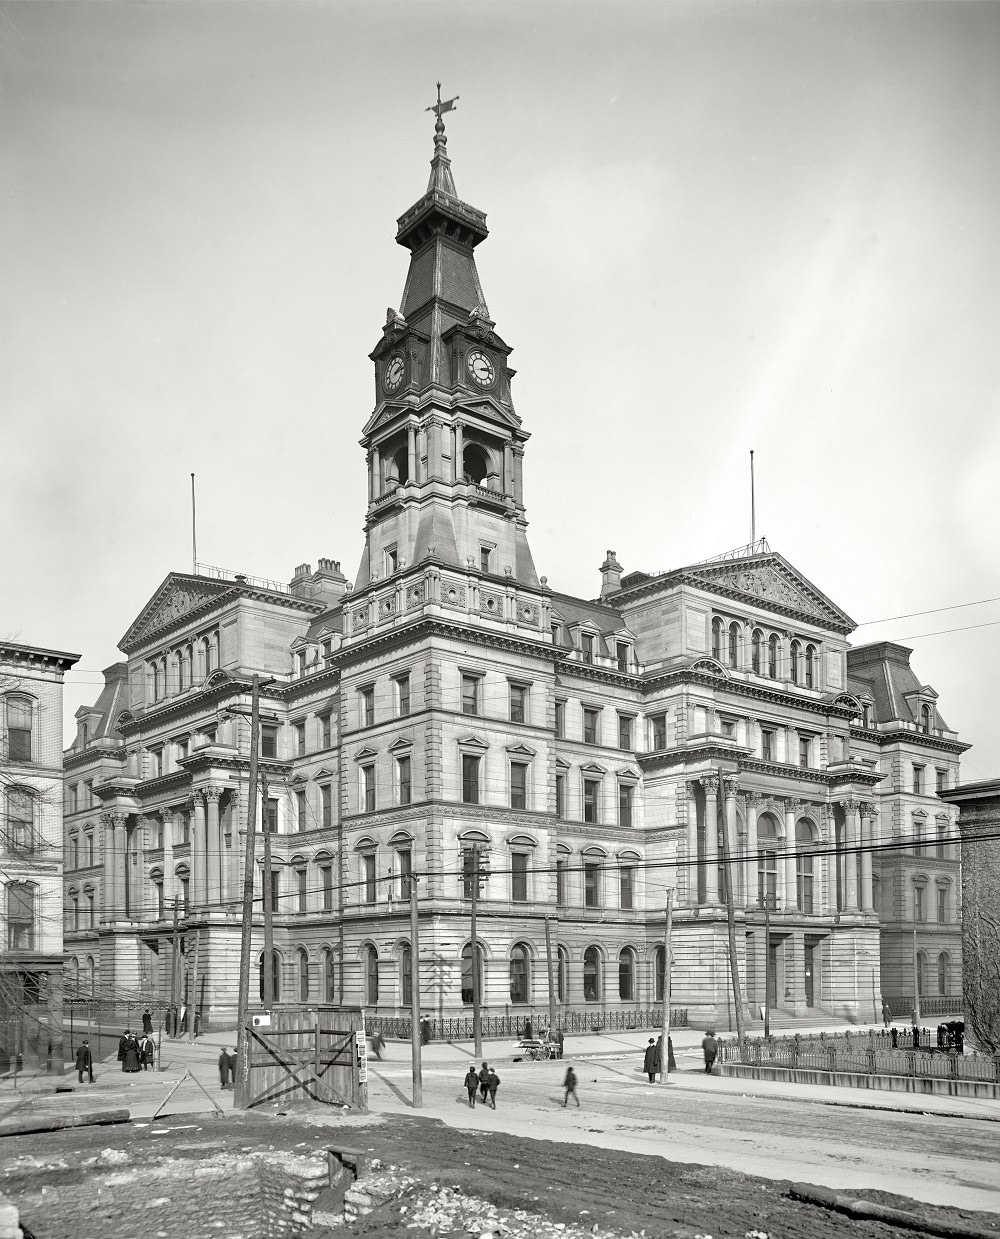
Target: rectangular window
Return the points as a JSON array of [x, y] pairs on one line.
[[560, 720], [518, 703], [182, 748], [561, 864], [391, 560], [518, 785], [519, 877], [942, 905], [591, 726], [942, 841], [156, 762], [485, 558], [804, 743], [404, 867], [368, 789], [20, 917], [728, 727], [325, 730], [626, 886], [403, 780], [272, 816], [470, 778], [300, 888], [370, 887], [658, 723], [326, 800], [90, 849], [276, 891], [89, 790], [625, 723], [300, 739], [767, 745], [587, 645], [268, 740], [470, 694], [591, 799], [591, 885], [18, 730], [919, 903], [940, 781], [301, 809], [366, 706], [326, 885], [626, 798], [622, 652], [560, 795], [918, 780], [403, 696], [161, 906]]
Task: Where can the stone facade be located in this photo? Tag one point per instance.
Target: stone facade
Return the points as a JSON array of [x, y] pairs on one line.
[[31, 834], [449, 704]]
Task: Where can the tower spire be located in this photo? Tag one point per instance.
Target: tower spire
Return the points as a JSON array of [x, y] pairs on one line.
[[441, 178]]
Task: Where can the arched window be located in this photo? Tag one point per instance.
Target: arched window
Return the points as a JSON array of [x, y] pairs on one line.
[[772, 656], [767, 860], [925, 719], [591, 974], [921, 971], [562, 975], [399, 467], [810, 666], [329, 975], [20, 820], [20, 916], [626, 975], [943, 972], [275, 976], [519, 973], [467, 971], [74, 909], [75, 975], [303, 963], [866, 715], [371, 975], [794, 653], [475, 464], [91, 976], [405, 967], [19, 729], [717, 639], [804, 867], [756, 644], [734, 645], [659, 971]]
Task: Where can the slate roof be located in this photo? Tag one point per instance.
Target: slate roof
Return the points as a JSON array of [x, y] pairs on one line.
[[883, 670]]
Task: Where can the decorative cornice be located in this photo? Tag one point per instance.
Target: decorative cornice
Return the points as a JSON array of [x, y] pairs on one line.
[[919, 738]]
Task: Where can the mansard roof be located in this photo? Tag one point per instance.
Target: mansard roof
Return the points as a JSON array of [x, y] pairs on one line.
[[883, 670], [762, 579]]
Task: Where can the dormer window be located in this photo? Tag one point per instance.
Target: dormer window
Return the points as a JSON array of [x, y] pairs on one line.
[[925, 720], [587, 646], [622, 655]]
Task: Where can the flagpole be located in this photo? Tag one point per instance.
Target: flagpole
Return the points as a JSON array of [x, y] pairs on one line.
[[753, 505]]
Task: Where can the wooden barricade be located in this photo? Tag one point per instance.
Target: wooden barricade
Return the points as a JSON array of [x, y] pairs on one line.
[[304, 1053]]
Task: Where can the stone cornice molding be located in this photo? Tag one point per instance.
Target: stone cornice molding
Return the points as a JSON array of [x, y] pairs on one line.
[[688, 676], [919, 738]]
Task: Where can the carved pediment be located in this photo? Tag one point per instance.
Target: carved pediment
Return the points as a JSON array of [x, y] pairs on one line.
[[771, 580], [176, 598]]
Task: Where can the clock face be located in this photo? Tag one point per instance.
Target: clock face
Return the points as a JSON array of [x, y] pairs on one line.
[[392, 375], [481, 369]]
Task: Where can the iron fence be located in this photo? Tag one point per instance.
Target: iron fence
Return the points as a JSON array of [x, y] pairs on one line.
[[902, 1006], [498, 1027]]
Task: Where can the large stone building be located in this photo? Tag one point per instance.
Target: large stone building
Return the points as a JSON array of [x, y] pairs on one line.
[[31, 961], [595, 754]]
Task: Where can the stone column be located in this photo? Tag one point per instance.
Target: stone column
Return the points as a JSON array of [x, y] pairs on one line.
[[754, 802], [411, 453], [170, 837], [109, 896], [731, 785], [213, 850], [122, 900], [692, 843], [376, 474], [198, 854], [459, 463], [868, 815], [710, 782], [852, 840], [508, 469], [790, 897], [518, 474], [232, 888]]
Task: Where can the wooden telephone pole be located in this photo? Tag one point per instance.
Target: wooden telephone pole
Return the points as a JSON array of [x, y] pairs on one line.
[[268, 897], [665, 1047], [418, 1075], [477, 1030], [243, 1000]]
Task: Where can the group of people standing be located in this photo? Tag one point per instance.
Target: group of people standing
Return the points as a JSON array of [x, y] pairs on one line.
[[485, 1081], [652, 1060], [136, 1053]]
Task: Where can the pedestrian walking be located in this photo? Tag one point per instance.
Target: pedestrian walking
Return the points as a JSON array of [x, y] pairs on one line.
[[378, 1041], [130, 1060], [886, 1014], [85, 1062], [425, 1032], [559, 1043], [671, 1061], [471, 1085], [527, 1029], [710, 1048], [148, 1053], [225, 1069], [649, 1064], [494, 1084], [569, 1084], [147, 1024], [484, 1080]]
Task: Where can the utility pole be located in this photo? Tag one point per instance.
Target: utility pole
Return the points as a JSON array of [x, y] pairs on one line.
[[477, 1031], [243, 1001], [767, 962], [734, 964], [268, 891], [193, 1001], [175, 959], [548, 965], [667, 931], [418, 1076], [916, 980]]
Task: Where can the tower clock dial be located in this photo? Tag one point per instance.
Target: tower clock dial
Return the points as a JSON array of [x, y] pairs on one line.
[[480, 368], [392, 375]]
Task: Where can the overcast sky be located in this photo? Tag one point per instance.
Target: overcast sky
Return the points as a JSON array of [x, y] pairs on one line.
[[714, 227]]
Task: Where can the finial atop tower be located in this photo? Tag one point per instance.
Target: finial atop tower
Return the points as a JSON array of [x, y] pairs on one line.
[[439, 107], [441, 178]]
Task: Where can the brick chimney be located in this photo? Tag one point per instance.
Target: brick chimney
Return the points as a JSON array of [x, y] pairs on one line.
[[611, 575]]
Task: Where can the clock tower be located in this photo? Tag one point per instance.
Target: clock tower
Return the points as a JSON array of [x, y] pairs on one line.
[[444, 444]]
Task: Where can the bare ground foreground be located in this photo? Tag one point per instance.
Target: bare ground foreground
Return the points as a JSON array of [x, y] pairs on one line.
[[130, 1182]]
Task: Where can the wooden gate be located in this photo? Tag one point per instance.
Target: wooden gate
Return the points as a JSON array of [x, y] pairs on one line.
[[303, 1054]]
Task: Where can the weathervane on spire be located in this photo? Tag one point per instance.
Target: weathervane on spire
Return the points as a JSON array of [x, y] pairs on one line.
[[438, 108]]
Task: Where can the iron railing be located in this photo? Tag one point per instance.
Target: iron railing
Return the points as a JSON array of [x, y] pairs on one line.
[[497, 1027], [902, 1007]]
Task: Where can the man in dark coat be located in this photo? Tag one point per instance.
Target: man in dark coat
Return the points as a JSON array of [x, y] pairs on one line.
[[225, 1069], [569, 1084], [471, 1084], [559, 1042], [649, 1063], [484, 1080], [147, 1054], [85, 1062], [494, 1084], [123, 1041], [130, 1061], [710, 1048], [147, 1024]]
